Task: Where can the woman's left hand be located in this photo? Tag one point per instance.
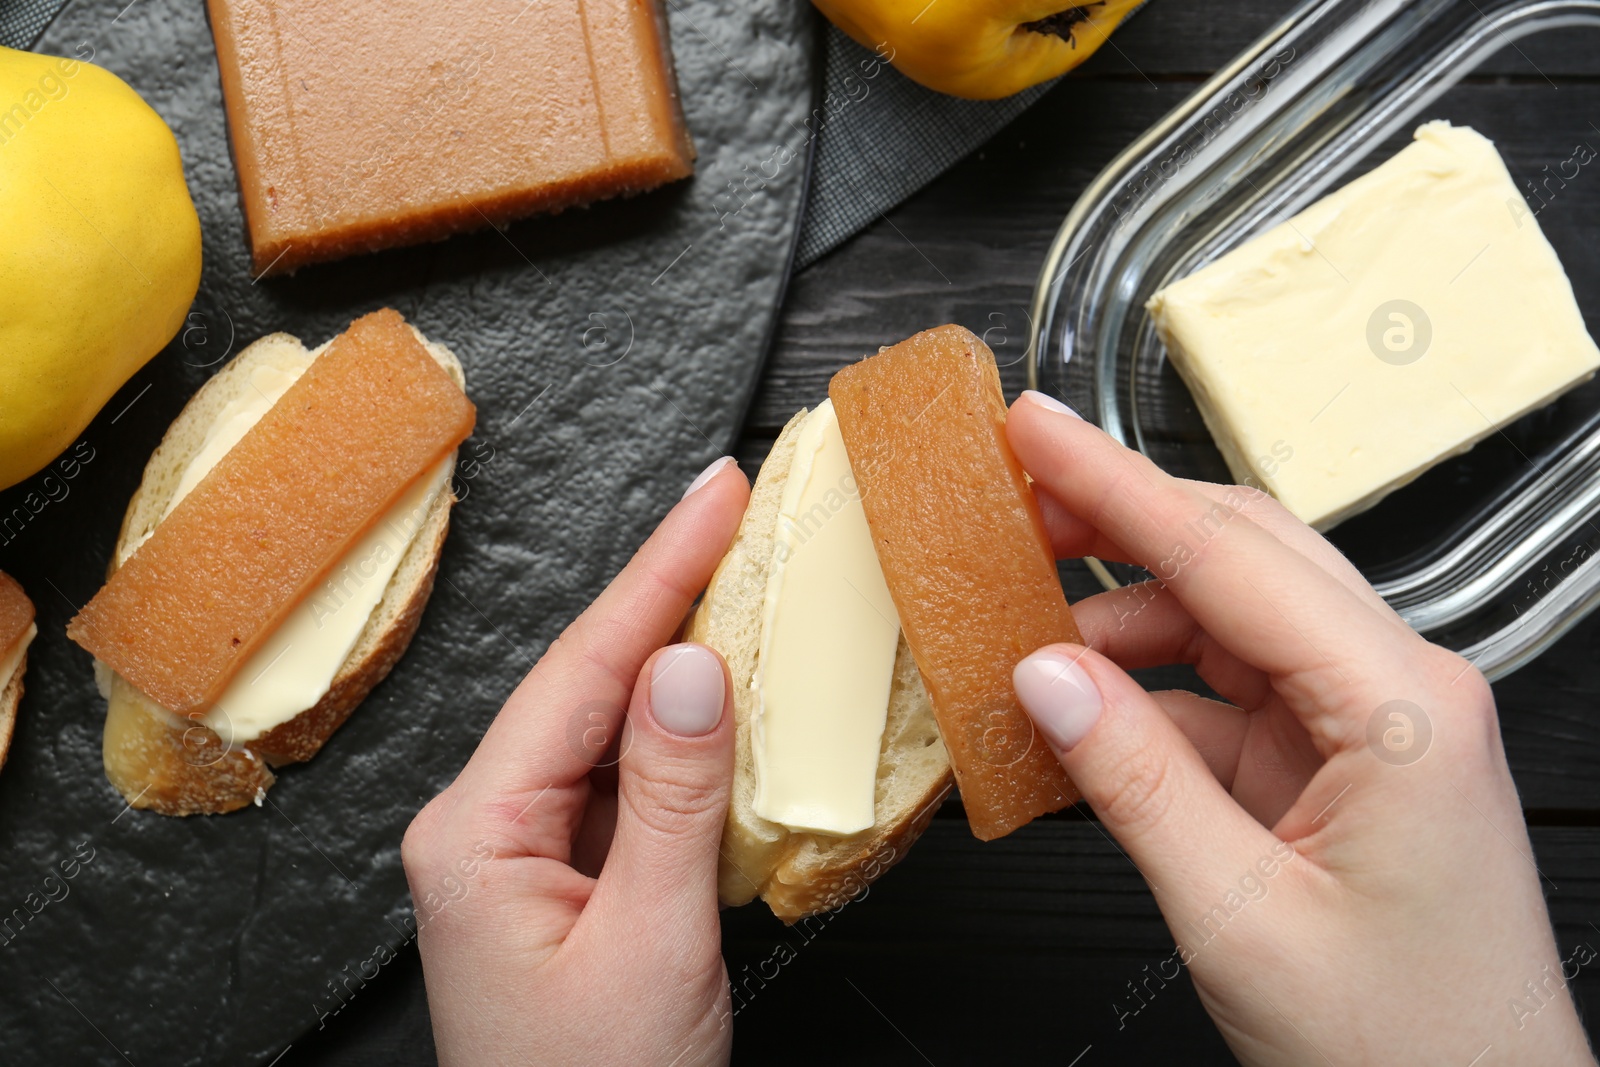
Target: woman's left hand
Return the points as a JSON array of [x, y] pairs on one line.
[[566, 887]]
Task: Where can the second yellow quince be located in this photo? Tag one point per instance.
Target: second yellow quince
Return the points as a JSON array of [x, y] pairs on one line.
[[979, 49]]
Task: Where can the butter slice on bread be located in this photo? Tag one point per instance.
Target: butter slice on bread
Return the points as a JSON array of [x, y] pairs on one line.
[[177, 766], [800, 874]]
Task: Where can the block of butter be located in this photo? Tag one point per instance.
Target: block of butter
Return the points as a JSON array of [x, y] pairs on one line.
[[1390, 325]]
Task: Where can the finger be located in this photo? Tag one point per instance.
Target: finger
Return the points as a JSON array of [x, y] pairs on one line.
[[1144, 625], [1216, 730], [1255, 745], [1140, 625], [1266, 512], [1263, 601], [1073, 537], [1151, 789], [672, 796], [1276, 763], [1264, 759], [530, 769], [592, 841]]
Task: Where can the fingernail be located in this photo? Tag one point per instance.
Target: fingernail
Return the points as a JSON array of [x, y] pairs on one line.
[[1059, 696], [686, 690], [709, 473], [1049, 403]]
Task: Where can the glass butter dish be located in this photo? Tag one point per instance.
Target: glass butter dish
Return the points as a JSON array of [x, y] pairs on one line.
[[1494, 552]]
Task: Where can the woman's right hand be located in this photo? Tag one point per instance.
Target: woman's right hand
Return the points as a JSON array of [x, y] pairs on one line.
[[1338, 850]]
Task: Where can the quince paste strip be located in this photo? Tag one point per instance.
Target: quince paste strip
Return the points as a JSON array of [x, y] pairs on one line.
[[966, 556], [276, 514], [16, 615]]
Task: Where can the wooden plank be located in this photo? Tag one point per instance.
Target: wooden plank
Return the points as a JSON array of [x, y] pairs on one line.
[[956, 252], [1041, 934], [965, 953]]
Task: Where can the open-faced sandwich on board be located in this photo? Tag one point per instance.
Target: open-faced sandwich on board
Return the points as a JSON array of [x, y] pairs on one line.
[[891, 570], [17, 630], [274, 562]]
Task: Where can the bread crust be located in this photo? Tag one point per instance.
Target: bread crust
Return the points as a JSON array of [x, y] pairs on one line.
[[795, 892], [10, 700], [802, 874], [161, 763], [302, 736]]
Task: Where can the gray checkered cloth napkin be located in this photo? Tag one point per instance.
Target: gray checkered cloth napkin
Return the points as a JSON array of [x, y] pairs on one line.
[[879, 136], [22, 21]]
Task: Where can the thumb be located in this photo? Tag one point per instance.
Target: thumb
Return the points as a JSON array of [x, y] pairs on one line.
[[1150, 787], [674, 779]]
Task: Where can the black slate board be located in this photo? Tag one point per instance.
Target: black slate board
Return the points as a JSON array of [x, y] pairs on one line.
[[611, 353]]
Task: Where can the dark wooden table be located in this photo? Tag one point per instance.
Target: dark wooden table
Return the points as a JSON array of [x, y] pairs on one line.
[[1029, 948]]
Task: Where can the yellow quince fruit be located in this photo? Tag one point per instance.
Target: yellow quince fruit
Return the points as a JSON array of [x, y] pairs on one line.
[[99, 249], [979, 49]]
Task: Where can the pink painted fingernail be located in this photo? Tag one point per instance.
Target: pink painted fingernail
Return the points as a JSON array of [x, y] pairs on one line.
[[687, 690], [1049, 403], [709, 473], [1059, 696]]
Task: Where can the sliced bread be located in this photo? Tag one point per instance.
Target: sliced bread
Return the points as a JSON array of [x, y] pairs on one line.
[[801, 874], [174, 766]]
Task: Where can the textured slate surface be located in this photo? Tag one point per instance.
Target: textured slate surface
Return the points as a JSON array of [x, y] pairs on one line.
[[611, 353], [1022, 951]]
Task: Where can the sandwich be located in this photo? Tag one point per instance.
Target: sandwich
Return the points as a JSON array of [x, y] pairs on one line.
[[17, 630], [274, 561], [891, 569]]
